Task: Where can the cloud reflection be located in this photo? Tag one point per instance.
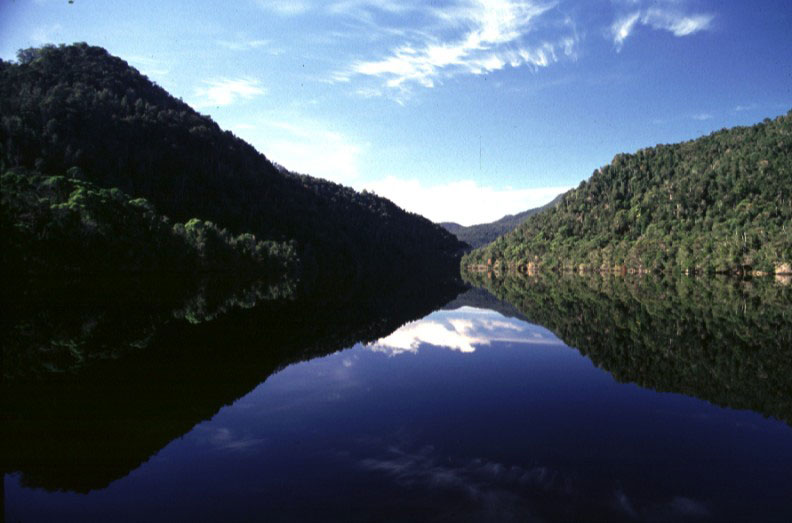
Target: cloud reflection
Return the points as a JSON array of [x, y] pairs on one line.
[[497, 491], [227, 439], [473, 476], [462, 330], [533, 493]]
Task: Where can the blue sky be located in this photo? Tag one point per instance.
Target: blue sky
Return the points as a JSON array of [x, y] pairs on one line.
[[461, 110]]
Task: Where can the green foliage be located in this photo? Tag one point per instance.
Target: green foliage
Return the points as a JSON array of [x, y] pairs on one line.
[[55, 224], [722, 203], [78, 110], [720, 339]]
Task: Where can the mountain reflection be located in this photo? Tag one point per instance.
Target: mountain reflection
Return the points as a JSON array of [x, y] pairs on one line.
[[719, 339], [463, 329], [471, 413], [55, 327], [98, 378]]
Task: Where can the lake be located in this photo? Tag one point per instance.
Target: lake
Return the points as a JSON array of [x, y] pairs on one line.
[[520, 399]]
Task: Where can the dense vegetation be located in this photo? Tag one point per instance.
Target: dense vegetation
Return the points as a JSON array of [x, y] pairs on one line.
[[721, 203], [77, 109], [49, 223], [719, 339], [481, 234]]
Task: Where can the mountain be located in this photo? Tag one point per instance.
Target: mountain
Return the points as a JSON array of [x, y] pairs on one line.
[[49, 223], [79, 113], [721, 203], [481, 234]]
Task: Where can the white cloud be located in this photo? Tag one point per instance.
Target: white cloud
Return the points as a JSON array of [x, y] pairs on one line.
[[361, 8], [702, 117], [284, 7], [665, 15], [749, 107], [243, 45], [465, 202], [622, 28], [462, 330], [496, 488], [452, 335], [475, 37], [225, 91], [148, 66], [307, 147], [223, 438], [676, 23]]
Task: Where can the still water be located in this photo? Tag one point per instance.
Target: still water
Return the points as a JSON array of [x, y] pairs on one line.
[[470, 413]]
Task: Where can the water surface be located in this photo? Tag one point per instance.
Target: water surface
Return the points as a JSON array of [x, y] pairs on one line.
[[470, 413]]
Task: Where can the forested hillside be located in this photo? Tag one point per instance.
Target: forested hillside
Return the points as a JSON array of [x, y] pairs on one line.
[[483, 233], [78, 111], [49, 223], [721, 203]]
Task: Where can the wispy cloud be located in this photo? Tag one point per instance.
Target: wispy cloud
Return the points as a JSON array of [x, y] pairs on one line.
[[220, 92], [473, 476], [677, 23], [491, 490], [284, 7], [674, 509], [748, 107], [699, 117], [622, 28], [149, 66], [243, 45], [516, 492], [474, 37], [363, 8], [702, 116], [465, 202], [250, 44], [665, 15], [227, 439], [306, 146]]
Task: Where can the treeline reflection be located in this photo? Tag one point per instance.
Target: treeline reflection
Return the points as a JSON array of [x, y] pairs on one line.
[[723, 340], [98, 378]]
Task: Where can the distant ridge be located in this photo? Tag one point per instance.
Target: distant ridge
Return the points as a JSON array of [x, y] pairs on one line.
[[721, 203], [484, 233]]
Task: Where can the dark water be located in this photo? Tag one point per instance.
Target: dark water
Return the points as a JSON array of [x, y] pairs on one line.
[[675, 405]]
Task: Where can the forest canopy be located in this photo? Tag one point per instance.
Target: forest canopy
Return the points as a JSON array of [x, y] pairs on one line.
[[77, 109], [721, 203], [49, 223]]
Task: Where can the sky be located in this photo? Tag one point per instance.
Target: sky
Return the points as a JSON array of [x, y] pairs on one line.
[[459, 110]]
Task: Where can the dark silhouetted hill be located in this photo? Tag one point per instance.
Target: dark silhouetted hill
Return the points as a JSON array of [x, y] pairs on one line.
[[78, 112]]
